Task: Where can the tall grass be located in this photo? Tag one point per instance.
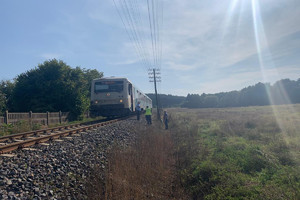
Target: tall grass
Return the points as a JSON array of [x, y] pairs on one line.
[[238, 153], [232, 153], [144, 170], [19, 127]]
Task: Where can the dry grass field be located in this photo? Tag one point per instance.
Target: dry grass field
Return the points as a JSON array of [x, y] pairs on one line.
[[232, 153], [239, 153], [144, 170]]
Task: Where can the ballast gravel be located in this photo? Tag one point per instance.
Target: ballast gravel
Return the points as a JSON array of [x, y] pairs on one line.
[[58, 169]]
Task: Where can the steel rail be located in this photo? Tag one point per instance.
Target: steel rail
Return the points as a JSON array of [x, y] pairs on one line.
[[65, 131], [41, 131]]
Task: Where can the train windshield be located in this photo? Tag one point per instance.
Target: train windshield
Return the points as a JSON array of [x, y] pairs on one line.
[[109, 86]]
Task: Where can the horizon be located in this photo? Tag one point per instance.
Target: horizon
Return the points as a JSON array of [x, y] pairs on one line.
[[230, 90]]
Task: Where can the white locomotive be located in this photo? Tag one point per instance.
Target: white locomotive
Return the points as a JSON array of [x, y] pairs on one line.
[[116, 97]]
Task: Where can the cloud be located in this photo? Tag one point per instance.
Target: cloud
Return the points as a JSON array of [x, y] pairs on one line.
[[180, 67], [124, 62], [48, 56], [209, 48], [195, 35], [199, 33], [104, 12]]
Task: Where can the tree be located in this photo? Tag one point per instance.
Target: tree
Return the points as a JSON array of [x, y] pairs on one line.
[[89, 75], [167, 101], [282, 92], [52, 86], [256, 95], [286, 91], [2, 103], [6, 91], [229, 99], [210, 101], [193, 101]]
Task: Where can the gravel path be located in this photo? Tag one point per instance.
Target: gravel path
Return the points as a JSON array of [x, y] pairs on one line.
[[59, 170]]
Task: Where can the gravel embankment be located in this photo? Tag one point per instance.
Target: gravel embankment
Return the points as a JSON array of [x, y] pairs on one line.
[[59, 170]]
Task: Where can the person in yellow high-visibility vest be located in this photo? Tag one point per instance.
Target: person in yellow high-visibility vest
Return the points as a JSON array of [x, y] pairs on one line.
[[148, 115]]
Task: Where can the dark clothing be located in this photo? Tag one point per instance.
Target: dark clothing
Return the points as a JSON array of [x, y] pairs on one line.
[[148, 119], [166, 124], [138, 112], [166, 120]]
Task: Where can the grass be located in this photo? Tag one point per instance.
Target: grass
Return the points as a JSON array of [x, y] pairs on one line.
[[230, 153], [19, 127], [143, 170], [238, 153], [24, 126]]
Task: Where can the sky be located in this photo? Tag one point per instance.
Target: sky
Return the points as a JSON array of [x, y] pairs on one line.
[[207, 46]]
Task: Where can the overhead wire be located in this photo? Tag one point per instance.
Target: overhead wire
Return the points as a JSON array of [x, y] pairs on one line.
[[157, 33], [151, 32], [147, 41], [140, 33], [130, 30], [132, 25], [160, 36], [131, 37], [143, 34], [133, 22], [129, 12]]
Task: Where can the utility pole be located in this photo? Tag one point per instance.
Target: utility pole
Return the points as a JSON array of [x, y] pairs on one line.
[[155, 78]]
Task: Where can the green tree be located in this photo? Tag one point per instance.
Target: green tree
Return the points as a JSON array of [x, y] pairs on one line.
[[89, 75], [286, 91], [52, 86], [2, 103], [256, 95], [210, 101], [167, 101], [193, 101], [6, 91], [229, 99]]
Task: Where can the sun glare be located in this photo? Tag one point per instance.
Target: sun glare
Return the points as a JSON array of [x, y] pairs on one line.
[[262, 47], [263, 53]]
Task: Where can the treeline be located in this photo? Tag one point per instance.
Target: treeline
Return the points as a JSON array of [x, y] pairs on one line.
[[52, 86], [167, 101], [285, 91]]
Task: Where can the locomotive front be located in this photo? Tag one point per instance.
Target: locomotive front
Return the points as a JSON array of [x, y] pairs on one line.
[[109, 97]]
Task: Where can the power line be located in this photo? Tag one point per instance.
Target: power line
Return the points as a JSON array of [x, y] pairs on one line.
[[150, 24], [154, 76], [130, 36], [129, 25], [129, 12], [134, 24]]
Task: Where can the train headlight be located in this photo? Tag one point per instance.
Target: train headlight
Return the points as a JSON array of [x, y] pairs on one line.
[[96, 102], [108, 94], [121, 100]]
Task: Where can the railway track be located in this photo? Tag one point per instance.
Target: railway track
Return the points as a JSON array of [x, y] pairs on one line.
[[21, 140]]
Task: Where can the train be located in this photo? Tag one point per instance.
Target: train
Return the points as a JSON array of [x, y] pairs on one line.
[[116, 96]]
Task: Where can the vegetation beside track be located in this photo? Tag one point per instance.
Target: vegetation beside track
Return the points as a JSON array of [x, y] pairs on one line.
[[24, 126], [232, 153], [239, 153], [143, 170], [51, 86]]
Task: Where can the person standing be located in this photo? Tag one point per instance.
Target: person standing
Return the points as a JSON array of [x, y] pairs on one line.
[[166, 120], [148, 115], [138, 111]]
